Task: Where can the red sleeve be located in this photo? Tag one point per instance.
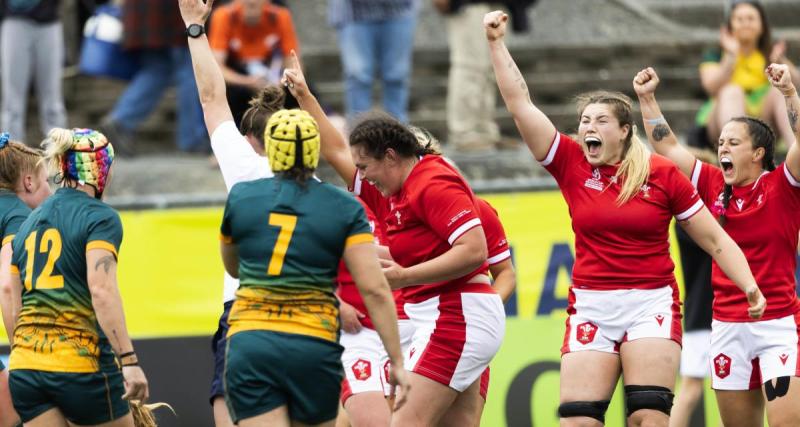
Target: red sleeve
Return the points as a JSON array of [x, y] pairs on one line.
[[791, 185], [446, 205], [288, 37], [369, 196], [684, 200], [704, 178], [564, 153], [219, 29], [496, 241]]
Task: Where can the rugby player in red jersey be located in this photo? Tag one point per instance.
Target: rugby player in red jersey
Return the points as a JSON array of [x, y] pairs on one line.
[[758, 204], [624, 312]]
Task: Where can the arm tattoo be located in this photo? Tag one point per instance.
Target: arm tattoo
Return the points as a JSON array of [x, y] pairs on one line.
[[793, 117], [106, 262], [660, 132]]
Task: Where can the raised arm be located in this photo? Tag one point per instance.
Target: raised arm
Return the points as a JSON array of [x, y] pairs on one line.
[[207, 74], [535, 128], [656, 127], [780, 76], [334, 148], [709, 235]]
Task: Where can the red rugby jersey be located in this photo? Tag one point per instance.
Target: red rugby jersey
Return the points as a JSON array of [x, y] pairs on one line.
[[434, 207], [762, 218], [496, 241], [347, 289], [620, 247]]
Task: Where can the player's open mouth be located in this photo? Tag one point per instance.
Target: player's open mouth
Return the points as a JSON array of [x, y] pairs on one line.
[[727, 166], [593, 144]]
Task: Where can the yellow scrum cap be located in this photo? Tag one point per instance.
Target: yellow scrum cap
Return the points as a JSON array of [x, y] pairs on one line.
[[290, 131]]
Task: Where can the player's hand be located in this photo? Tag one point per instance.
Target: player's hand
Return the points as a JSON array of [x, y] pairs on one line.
[[645, 82], [494, 23], [728, 42], [293, 77], [136, 387], [195, 11], [780, 77], [401, 386], [757, 302], [394, 272], [350, 318]]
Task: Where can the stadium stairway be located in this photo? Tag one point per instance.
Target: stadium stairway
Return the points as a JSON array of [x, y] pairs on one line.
[[574, 46]]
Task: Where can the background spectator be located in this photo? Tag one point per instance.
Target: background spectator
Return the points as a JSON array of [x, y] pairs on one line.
[[733, 74], [250, 39], [31, 50], [375, 36], [155, 30], [471, 90]]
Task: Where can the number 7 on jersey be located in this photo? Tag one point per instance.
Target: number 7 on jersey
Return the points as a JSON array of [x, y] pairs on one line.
[[287, 224]]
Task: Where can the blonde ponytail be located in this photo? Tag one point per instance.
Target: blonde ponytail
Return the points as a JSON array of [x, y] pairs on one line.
[[634, 170], [55, 145]]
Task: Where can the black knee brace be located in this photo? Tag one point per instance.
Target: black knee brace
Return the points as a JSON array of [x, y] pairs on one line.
[[596, 409], [648, 397]]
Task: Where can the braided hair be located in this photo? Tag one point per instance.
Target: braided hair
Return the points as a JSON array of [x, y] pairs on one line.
[[16, 160], [378, 132], [262, 107], [761, 136]]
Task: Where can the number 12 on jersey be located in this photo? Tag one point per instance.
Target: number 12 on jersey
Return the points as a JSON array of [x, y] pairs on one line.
[[50, 244], [287, 224]]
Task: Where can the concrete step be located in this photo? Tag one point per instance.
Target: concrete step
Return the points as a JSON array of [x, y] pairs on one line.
[[679, 112], [710, 14]]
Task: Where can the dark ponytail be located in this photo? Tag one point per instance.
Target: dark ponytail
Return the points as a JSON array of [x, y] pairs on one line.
[[378, 132]]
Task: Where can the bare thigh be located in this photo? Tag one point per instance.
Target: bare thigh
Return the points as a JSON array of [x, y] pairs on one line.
[[650, 362], [783, 410], [426, 403], [368, 410], [743, 408], [222, 418], [50, 418], [466, 409], [581, 384], [278, 417]]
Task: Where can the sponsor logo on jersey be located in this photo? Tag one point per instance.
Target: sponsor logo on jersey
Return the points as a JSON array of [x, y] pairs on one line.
[[722, 365], [586, 332], [362, 369], [594, 182], [645, 189], [458, 216], [760, 199], [659, 319], [739, 204]]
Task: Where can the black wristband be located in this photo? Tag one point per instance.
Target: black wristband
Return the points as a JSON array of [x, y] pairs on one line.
[[128, 354], [130, 364]]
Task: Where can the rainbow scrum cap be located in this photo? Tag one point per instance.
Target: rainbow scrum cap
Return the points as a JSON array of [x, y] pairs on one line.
[[292, 140], [89, 159]]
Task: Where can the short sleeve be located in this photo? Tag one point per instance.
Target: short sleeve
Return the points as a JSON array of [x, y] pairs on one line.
[[496, 241], [105, 232], [684, 200], [704, 176], [369, 195], [11, 224], [219, 29], [288, 36], [564, 153], [226, 229], [791, 183], [237, 159], [359, 230], [447, 206]]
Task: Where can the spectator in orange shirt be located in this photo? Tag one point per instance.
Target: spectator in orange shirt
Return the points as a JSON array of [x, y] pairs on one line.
[[250, 39]]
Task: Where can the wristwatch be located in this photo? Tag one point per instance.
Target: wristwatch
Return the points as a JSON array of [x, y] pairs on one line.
[[195, 30]]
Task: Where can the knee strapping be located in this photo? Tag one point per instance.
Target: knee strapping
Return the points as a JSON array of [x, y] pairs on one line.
[[595, 409], [648, 397]]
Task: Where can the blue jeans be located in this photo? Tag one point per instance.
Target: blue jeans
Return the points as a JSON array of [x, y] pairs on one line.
[[160, 69], [384, 47]]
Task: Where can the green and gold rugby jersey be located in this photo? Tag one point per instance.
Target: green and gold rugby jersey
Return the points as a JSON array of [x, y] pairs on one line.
[[57, 329], [12, 214], [290, 239]]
